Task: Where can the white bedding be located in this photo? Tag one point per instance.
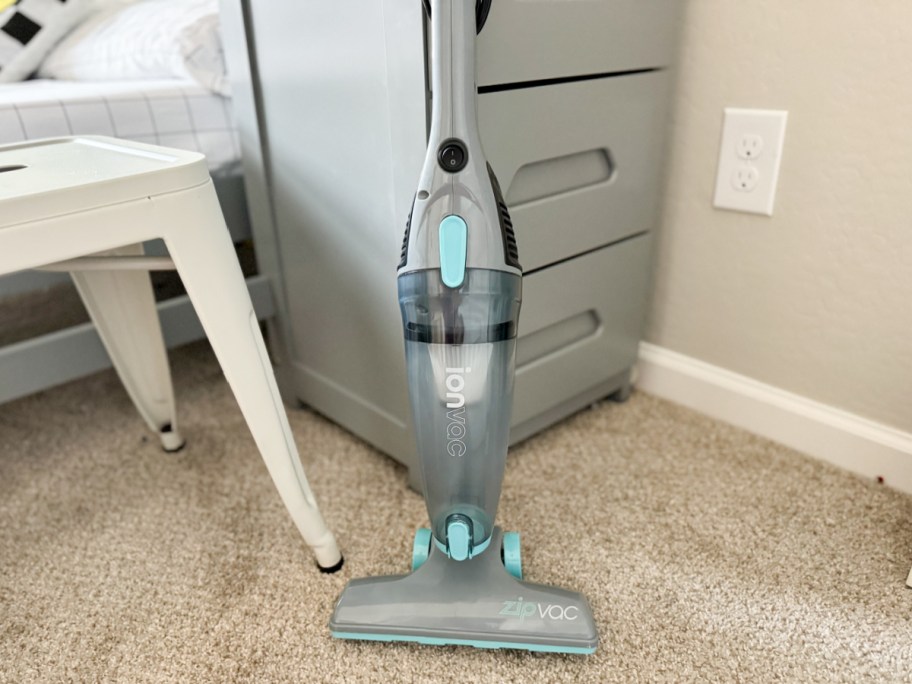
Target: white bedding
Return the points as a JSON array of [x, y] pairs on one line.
[[172, 113]]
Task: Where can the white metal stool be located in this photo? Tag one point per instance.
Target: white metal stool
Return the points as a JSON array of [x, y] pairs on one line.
[[65, 198]]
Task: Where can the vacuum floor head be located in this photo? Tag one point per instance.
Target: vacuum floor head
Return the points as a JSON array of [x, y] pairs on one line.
[[474, 602]]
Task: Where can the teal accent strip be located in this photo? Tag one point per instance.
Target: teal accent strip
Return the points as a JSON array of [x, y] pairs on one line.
[[443, 641], [453, 234], [476, 551]]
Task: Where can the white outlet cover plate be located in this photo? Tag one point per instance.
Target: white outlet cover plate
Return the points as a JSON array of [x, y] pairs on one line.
[[770, 126]]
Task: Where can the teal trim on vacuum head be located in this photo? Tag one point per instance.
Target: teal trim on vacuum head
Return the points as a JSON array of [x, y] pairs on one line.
[[421, 547], [453, 234], [441, 641], [512, 555], [476, 551]]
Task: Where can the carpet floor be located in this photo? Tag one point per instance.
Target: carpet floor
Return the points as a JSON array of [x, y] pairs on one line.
[[707, 554]]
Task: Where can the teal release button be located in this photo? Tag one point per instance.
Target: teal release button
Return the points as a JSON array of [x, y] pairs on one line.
[[453, 241], [458, 539]]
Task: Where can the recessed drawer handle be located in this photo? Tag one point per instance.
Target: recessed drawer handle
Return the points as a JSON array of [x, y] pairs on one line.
[[556, 336], [549, 177], [14, 167]]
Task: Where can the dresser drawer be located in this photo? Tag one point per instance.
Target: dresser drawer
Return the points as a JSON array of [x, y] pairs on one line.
[[579, 163], [528, 40], [580, 325]]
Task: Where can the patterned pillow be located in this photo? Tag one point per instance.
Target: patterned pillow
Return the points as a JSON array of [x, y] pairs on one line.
[[30, 28]]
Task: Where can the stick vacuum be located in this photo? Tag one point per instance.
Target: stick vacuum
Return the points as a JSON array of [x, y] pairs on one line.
[[460, 288]]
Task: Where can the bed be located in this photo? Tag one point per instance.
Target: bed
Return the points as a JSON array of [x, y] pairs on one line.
[[174, 113]]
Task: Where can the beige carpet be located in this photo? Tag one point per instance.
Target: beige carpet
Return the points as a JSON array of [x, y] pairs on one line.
[[706, 553]]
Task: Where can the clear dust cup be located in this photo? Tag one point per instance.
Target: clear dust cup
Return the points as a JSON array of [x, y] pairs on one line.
[[460, 348]]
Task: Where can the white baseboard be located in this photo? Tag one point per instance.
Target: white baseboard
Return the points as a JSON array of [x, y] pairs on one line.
[[844, 439]]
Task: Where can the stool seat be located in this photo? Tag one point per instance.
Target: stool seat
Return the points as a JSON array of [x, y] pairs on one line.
[[65, 199], [61, 175]]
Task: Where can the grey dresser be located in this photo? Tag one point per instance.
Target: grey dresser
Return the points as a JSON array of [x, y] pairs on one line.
[[332, 102]]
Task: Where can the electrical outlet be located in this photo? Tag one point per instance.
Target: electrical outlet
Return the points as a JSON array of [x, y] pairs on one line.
[[752, 141], [749, 146], [745, 178]]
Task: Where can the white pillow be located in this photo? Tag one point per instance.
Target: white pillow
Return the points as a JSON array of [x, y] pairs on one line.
[[146, 40], [31, 28]]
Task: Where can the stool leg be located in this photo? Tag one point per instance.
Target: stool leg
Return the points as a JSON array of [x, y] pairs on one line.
[[122, 308], [199, 243]]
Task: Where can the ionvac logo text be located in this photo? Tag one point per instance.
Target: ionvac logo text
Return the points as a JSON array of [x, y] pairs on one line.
[[456, 425]]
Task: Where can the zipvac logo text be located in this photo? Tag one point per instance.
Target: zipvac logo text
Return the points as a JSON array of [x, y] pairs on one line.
[[551, 611]]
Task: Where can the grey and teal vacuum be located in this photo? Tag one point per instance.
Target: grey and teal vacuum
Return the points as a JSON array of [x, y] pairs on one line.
[[460, 287]]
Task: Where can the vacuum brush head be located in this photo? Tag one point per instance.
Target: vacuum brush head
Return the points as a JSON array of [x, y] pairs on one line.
[[475, 602]]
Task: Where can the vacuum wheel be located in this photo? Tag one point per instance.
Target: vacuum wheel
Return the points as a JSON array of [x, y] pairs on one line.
[[509, 552], [421, 548]]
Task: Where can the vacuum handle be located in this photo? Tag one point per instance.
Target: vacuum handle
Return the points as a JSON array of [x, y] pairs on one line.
[[459, 219], [453, 115], [482, 7]]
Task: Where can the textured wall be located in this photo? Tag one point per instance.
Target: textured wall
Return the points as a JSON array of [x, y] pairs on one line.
[[816, 300]]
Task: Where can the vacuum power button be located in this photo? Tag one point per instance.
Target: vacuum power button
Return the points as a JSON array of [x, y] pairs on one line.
[[452, 155], [453, 235]]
